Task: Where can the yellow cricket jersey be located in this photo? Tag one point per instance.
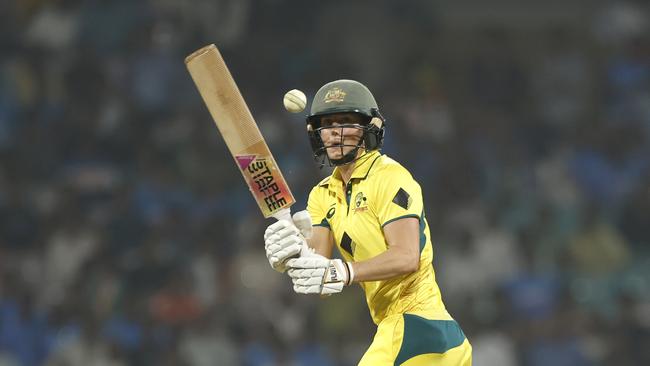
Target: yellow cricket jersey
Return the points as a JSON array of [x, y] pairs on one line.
[[380, 191]]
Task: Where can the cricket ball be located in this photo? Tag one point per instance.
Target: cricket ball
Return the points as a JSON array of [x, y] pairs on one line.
[[295, 101]]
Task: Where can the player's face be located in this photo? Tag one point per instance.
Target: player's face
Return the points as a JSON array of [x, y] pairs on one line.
[[338, 135]]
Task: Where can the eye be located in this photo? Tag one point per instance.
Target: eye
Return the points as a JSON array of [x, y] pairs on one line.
[[327, 122]]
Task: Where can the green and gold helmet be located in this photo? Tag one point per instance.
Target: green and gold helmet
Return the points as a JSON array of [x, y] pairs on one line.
[[345, 96]]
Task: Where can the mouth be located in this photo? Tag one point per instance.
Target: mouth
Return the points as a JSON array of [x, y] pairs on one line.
[[329, 146], [334, 150]]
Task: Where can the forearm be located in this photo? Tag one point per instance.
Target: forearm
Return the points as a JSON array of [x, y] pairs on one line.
[[321, 241], [320, 248], [392, 263]]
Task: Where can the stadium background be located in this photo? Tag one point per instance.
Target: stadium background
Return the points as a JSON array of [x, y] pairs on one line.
[[127, 236]]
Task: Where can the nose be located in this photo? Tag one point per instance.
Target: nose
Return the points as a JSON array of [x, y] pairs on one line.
[[330, 131], [331, 136]]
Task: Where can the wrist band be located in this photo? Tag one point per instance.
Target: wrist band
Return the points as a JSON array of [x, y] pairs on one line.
[[350, 273]]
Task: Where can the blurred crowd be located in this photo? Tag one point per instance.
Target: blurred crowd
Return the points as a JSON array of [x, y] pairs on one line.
[[127, 235]]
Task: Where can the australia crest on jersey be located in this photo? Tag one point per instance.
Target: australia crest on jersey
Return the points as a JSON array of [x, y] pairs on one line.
[[360, 203]]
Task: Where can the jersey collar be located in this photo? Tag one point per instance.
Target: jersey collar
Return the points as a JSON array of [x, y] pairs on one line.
[[361, 168]]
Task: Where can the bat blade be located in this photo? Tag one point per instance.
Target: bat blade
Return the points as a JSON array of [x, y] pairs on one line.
[[240, 132]]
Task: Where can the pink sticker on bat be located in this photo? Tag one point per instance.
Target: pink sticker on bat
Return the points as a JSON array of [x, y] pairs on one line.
[[244, 160]]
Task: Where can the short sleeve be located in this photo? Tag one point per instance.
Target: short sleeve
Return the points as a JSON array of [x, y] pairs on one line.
[[317, 207], [399, 196]]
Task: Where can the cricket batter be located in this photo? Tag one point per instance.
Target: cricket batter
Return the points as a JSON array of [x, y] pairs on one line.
[[371, 209]]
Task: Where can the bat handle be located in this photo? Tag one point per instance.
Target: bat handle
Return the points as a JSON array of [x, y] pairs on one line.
[[283, 214]]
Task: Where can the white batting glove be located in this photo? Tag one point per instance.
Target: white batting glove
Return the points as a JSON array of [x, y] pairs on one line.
[[284, 240], [316, 274], [302, 220]]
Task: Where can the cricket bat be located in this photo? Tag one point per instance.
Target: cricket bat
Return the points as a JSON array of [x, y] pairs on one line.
[[240, 132]]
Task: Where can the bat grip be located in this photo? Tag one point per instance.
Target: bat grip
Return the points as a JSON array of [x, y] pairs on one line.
[[283, 214]]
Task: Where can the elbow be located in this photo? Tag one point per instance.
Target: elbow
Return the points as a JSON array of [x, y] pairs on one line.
[[410, 264], [415, 265]]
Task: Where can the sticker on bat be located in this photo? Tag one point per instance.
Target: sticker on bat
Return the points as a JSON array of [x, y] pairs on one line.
[[264, 180]]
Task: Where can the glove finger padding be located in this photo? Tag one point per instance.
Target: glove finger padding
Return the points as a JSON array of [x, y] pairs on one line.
[[308, 290], [298, 274], [285, 239], [279, 226], [282, 240], [278, 253], [284, 248], [316, 261], [307, 281], [287, 232], [320, 289]]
